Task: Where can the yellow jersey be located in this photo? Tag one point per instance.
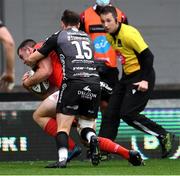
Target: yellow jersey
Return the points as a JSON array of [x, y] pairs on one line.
[[128, 44]]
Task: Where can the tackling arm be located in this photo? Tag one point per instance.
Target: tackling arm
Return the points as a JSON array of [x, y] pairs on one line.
[[42, 72], [34, 58]]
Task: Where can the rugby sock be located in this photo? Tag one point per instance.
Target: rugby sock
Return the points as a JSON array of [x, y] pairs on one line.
[[71, 143], [62, 145], [51, 127], [87, 133], [62, 154], [108, 145]]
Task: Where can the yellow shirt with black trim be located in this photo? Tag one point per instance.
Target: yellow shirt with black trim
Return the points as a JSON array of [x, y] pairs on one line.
[[128, 43]]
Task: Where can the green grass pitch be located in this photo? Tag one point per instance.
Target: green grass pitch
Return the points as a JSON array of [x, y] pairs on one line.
[[112, 167]]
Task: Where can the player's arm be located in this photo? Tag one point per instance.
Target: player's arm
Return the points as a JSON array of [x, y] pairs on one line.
[[44, 51], [9, 47], [42, 72], [145, 58], [34, 58], [146, 62], [9, 50]]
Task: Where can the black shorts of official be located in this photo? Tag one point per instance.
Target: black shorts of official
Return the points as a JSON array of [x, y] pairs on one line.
[[110, 77], [79, 98]]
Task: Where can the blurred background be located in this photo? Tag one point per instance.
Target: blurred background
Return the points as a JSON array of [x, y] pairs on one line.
[[158, 21]]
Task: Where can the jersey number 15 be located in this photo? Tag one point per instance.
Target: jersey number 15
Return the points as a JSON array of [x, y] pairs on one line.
[[84, 52]]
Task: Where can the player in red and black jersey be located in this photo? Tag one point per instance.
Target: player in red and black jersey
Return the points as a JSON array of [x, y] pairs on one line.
[[51, 69], [48, 107]]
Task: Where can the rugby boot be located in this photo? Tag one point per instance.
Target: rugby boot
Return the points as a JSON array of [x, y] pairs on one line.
[[135, 158], [57, 164], [74, 153], [94, 151], [167, 144]]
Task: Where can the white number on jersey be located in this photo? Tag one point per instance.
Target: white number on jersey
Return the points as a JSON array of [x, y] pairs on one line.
[[85, 52]]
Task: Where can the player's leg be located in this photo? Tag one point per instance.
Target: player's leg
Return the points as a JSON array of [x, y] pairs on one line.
[[133, 103], [88, 109], [66, 109], [64, 126], [88, 135], [111, 118], [45, 117], [132, 156], [108, 146], [108, 80]]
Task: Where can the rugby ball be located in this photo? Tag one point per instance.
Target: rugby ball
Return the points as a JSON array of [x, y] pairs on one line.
[[40, 88]]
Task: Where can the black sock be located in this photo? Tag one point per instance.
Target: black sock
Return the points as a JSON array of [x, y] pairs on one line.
[[62, 140], [84, 133]]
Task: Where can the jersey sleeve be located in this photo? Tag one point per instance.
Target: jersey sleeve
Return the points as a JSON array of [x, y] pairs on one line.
[[49, 45]]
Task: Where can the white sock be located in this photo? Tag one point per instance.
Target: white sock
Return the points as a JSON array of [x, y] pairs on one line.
[[89, 135], [63, 154]]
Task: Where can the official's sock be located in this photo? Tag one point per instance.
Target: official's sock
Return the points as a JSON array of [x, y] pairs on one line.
[[108, 145], [51, 127]]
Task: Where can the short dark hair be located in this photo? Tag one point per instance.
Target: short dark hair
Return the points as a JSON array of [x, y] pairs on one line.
[[70, 18], [27, 42], [109, 9]]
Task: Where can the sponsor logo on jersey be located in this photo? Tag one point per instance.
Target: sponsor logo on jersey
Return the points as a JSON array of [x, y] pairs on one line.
[[106, 87], [101, 44], [86, 93], [87, 88]]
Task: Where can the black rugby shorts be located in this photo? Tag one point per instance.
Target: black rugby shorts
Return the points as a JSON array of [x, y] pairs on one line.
[[78, 98]]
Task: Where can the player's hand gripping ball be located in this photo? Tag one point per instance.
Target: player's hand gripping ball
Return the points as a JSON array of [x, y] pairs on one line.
[[40, 88]]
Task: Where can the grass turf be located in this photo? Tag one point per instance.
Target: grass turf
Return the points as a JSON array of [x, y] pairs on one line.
[[113, 167]]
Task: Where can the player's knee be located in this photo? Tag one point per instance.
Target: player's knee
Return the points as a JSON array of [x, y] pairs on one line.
[[35, 116], [82, 123]]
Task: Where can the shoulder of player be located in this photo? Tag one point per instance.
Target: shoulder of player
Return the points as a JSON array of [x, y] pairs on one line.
[[53, 36], [128, 31]]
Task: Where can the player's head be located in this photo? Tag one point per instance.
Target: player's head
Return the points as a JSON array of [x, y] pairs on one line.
[[109, 20], [25, 48], [70, 18], [102, 2]]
